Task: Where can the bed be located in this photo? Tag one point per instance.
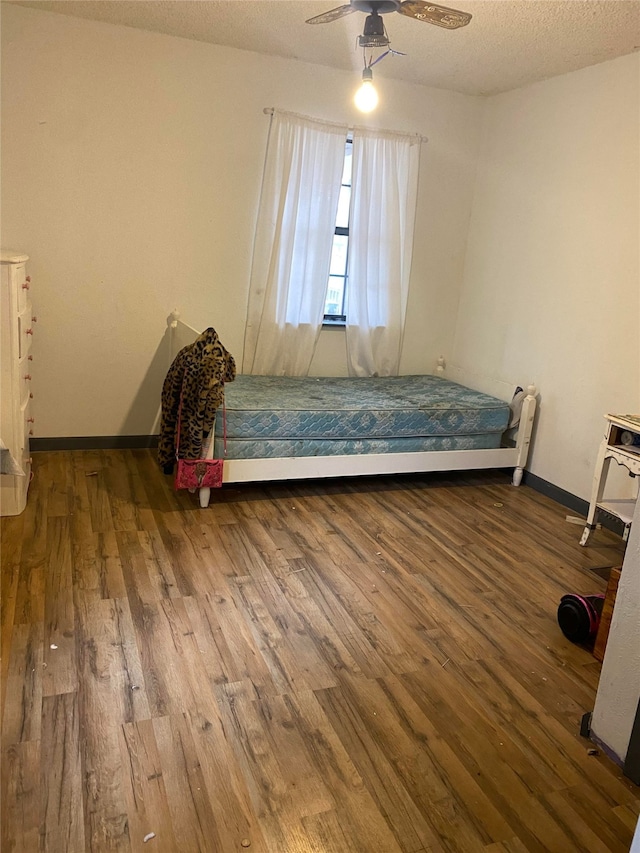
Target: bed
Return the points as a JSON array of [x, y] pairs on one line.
[[282, 428]]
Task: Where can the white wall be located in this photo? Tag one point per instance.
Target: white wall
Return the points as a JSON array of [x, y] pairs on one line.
[[619, 685], [551, 282], [131, 168], [635, 844]]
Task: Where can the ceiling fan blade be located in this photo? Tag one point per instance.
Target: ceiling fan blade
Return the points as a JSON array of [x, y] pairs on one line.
[[332, 15], [441, 16]]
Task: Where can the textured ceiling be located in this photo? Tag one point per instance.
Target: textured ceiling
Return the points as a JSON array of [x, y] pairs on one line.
[[509, 43]]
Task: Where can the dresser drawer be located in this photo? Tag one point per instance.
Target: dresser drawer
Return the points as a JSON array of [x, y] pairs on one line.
[[25, 332], [23, 286], [26, 419], [25, 373]]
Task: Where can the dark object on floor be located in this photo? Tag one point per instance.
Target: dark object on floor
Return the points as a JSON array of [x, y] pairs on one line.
[[585, 724], [579, 617]]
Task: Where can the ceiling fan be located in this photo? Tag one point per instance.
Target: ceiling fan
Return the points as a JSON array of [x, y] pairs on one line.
[[430, 13]]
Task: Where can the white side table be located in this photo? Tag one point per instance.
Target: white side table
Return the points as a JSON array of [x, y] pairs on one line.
[[622, 444]]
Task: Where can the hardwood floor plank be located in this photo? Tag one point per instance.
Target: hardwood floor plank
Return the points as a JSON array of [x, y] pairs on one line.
[[269, 533], [114, 685], [126, 492], [97, 569], [406, 747], [60, 673], [482, 741], [306, 786], [283, 778], [402, 600], [268, 788], [514, 845], [326, 835], [22, 714], [581, 833], [288, 649], [265, 635], [247, 560], [159, 566], [146, 798], [194, 823], [217, 656], [326, 603], [471, 798], [314, 619], [411, 827], [594, 810], [61, 825], [59, 485], [30, 596], [11, 551], [364, 826], [214, 543], [366, 615], [97, 495], [106, 821], [159, 649], [111, 692], [229, 793], [20, 824], [157, 485], [183, 550], [552, 741], [82, 469], [628, 815], [248, 660]]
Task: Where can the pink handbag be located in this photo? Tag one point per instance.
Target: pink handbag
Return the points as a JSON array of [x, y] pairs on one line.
[[199, 473]]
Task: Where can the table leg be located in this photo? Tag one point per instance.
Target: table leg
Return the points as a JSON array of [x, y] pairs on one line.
[[597, 489]]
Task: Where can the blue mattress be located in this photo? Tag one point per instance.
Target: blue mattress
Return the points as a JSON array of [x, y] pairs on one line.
[[279, 416]]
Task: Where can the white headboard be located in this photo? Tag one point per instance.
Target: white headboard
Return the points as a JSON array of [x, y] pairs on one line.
[[495, 387]]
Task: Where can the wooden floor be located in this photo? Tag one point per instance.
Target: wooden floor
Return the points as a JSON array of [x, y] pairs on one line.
[[369, 666]]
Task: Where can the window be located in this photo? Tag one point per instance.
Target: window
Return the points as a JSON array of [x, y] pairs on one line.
[[321, 193], [339, 270]]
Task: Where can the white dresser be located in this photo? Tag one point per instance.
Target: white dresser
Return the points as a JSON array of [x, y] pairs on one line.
[[16, 364]]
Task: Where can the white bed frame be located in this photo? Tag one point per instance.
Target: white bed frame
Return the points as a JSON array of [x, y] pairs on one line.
[[312, 467]]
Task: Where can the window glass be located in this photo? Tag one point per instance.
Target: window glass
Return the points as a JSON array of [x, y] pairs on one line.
[[342, 219], [339, 255], [335, 297], [338, 271], [346, 172]]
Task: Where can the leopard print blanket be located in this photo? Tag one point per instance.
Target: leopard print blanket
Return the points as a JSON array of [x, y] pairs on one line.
[[197, 374]]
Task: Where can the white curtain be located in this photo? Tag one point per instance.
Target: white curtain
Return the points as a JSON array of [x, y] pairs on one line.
[[292, 249], [383, 204]]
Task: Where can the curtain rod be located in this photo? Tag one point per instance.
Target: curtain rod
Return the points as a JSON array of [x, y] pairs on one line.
[[269, 111]]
